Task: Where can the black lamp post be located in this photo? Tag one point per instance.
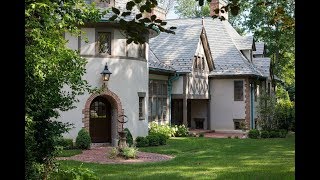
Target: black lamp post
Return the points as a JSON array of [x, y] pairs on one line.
[[106, 73]]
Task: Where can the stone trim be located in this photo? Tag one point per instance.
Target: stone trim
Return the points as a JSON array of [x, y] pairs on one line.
[[116, 112], [247, 102]]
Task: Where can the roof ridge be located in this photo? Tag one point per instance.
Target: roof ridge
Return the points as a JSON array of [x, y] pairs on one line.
[[250, 65]]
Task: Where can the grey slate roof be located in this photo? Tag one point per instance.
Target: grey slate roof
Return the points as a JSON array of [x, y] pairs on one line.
[[224, 41], [227, 57], [155, 63], [177, 50], [259, 48], [263, 65]]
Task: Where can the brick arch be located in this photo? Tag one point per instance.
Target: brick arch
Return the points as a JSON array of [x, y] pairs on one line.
[[116, 111]]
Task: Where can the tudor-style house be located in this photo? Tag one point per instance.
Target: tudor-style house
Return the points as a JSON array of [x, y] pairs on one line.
[[205, 76]]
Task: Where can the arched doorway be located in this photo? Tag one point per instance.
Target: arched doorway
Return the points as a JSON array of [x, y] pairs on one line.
[[100, 120], [116, 111]]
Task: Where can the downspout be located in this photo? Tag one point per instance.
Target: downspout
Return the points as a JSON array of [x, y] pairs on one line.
[[252, 106], [175, 77]]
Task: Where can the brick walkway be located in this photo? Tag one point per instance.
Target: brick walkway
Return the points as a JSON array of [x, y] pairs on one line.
[[101, 155]]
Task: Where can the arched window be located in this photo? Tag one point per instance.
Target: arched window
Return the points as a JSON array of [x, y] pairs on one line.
[[98, 108]]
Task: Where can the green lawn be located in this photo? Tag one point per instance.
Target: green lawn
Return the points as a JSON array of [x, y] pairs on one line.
[[70, 152], [207, 158]]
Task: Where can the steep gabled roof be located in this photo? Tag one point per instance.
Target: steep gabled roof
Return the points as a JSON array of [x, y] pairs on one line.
[[263, 65], [177, 50], [226, 55], [154, 63]]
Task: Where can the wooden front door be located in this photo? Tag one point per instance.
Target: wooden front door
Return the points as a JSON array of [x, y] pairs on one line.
[[100, 120], [177, 112]]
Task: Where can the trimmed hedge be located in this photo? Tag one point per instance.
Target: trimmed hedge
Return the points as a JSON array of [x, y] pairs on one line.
[[153, 140], [65, 143], [142, 142], [265, 134], [254, 134], [83, 140]]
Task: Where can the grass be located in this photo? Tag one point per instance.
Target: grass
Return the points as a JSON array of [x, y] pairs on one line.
[[70, 152], [208, 158]]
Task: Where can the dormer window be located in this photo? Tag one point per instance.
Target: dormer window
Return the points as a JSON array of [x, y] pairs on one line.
[[104, 43], [198, 63]]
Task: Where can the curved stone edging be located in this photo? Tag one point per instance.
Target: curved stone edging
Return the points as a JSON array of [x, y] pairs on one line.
[[100, 155]]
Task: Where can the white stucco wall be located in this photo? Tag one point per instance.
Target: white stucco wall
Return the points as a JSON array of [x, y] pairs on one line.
[[177, 86], [129, 76], [72, 41], [199, 109], [247, 54], [223, 108]]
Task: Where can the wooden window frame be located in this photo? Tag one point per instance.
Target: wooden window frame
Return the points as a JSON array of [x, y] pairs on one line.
[[97, 42], [141, 105]]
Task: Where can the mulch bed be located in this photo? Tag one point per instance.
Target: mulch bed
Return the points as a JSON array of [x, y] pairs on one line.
[[101, 155]]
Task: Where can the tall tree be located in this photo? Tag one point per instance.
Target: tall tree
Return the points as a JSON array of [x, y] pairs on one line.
[[167, 5], [50, 66], [191, 8], [273, 23]]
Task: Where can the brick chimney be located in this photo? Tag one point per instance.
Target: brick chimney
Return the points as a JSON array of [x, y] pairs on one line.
[[218, 4]]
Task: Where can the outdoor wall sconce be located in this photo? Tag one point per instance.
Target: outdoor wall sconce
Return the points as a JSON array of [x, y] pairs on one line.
[[105, 73]]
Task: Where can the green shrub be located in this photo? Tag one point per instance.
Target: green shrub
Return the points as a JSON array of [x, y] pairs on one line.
[[229, 137], [129, 152], [114, 152], [181, 131], [283, 133], [201, 134], [83, 139], [65, 143], [129, 137], [142, 141], [274, 134], [264, 134], [254, 134], [161, 129], [162, 139], [78, 173], [153, 140], [236, 137]]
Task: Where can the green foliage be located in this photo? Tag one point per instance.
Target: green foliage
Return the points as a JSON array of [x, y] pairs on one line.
[[114, 152], [49, 66], [78, 173], [83, 139], [129, 152], [283, 133], [254, 134], [284, 110], [65, 143], [161, 129], [162, 139], [181, 130], [201, 134], [189, 8], [153, 140], [137, 30], [264, 134], [142, 141], [129, 137], [69, 152], [266, 111], [274, 134], [236, 137]]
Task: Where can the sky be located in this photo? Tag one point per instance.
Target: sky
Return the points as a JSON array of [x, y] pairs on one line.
[[172, 15]]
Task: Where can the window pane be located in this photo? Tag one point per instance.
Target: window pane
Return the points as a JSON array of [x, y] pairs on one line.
[[238, 90], [104, 43]]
